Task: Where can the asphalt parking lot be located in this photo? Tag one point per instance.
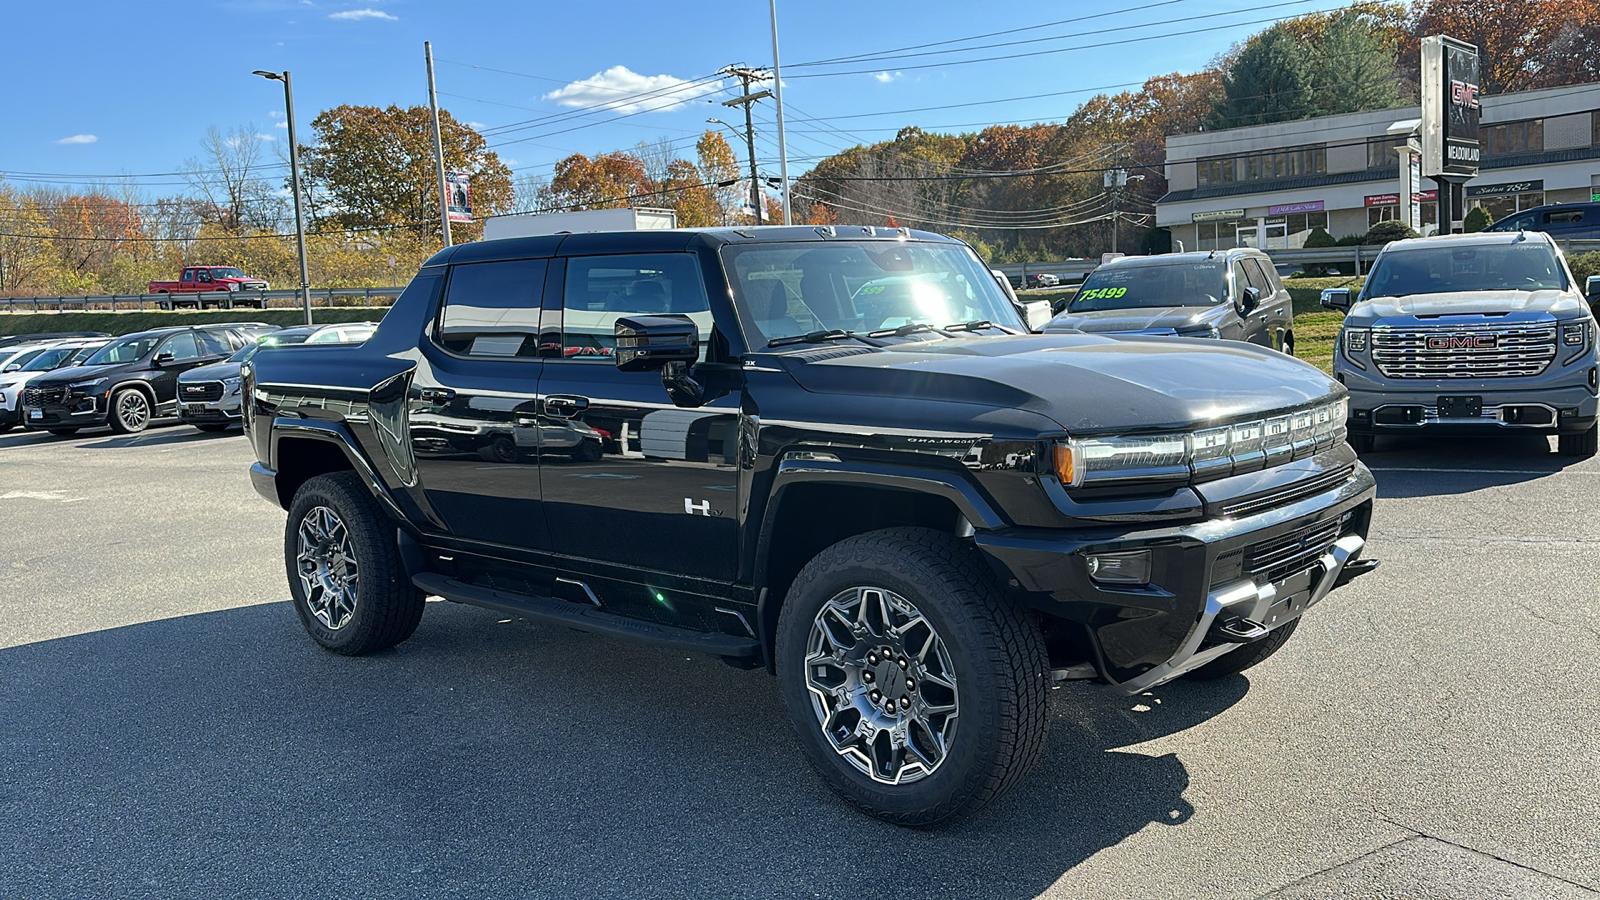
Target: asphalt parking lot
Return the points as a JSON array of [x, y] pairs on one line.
[[167, 730]]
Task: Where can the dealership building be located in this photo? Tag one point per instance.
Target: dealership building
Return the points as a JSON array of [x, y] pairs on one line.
[[1270, 185]]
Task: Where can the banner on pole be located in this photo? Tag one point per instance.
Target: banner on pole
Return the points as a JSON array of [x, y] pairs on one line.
[[458, 205]]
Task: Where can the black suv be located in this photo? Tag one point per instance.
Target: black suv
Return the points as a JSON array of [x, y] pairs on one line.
[[124, 384], [1235, 295], [829, 451]]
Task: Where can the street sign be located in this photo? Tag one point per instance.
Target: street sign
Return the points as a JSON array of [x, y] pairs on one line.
[[1451, 102]]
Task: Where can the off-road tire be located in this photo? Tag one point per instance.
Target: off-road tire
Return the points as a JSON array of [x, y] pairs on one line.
[[998, 660], [114, 410], [387, 607], [212, 426], [1362, 443], [1237, 661], [1583, 444]]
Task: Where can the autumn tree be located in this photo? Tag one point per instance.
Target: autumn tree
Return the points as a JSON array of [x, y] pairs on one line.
[[27, 253], [374, 167], [718, 165], [1523, 45], [606, 181]]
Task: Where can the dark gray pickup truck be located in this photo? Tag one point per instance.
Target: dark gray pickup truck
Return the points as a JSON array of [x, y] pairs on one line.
[[831, 452]]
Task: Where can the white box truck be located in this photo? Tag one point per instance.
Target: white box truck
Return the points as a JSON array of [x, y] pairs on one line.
[[529, 224]]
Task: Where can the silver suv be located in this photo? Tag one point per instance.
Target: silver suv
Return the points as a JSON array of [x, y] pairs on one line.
[[1469, 334]]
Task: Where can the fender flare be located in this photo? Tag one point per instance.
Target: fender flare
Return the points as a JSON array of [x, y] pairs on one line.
[[337, 434], [973, 505]]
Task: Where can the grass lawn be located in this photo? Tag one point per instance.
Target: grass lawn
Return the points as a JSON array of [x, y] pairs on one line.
[[117, 323], [1316, 329]]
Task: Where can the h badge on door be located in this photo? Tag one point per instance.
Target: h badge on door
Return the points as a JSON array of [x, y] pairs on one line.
[[703, 508]]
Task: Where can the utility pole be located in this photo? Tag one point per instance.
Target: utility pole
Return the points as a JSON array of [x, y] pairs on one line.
[[748, 77], [438, 146], [1115, 180]]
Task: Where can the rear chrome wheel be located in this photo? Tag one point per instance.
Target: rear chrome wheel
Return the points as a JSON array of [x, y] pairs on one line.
[[882, 685]]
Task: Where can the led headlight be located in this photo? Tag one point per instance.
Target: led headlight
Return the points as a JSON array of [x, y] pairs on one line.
[[1575, 334], [1203, 454], [1355, 340], [1199, 331], [86, 386], [229, 385]]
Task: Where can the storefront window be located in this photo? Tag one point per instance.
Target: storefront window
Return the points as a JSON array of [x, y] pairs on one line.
[[1512, 137], [1263, 166], [1380, 152], [1507, 204], [1218, 235], [1430, 215]]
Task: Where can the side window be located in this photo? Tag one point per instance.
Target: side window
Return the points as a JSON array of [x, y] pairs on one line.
[[1259, 279], [203, 275], [214, 344], [601, 289], [491, 309], [1565, 218], [188, 275], [181, 346], [1241, 280]]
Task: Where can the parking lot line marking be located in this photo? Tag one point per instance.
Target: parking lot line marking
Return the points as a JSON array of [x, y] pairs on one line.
[[1481, 471]]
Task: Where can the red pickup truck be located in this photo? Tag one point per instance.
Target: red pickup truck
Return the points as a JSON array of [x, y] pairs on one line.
[[212, 279]]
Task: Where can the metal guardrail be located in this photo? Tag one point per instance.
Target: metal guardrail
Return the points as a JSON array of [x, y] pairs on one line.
[[215, 299], [1072, 271]]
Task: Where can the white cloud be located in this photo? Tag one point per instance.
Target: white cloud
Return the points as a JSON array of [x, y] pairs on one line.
[[265, 137], [79, 139], [475, 126], [283, 124], [619, 88], [358, 14], [886, 77]]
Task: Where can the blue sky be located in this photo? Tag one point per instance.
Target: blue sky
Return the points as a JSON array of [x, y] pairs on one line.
[[110, 87]]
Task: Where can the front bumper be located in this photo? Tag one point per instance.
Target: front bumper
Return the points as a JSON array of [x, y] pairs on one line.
[[1565, 403], [1208, 580], [265, 481], [229, 409], [76, 412]]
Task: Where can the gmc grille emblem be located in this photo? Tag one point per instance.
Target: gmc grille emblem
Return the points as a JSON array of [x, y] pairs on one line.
[[195, 390], [1463, 342]]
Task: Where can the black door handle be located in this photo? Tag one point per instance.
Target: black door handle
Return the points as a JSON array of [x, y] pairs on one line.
[[564, 406], [436, 396]]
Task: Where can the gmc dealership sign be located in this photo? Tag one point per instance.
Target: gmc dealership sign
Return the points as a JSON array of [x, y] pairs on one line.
[[1451, 102]]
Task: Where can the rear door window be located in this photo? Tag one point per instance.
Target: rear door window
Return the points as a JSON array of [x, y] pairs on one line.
[[181, 346], [1259, 279], [491, 309]]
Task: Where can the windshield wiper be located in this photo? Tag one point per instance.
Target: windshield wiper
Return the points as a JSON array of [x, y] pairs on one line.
[[974, 325], [902, 331], [815, 337]]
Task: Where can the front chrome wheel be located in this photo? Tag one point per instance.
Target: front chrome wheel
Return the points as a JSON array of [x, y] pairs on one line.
[[881, 685], [133, 411], [327, 567]]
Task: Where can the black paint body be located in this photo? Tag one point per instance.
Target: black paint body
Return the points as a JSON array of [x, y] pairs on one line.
[[553, 476]]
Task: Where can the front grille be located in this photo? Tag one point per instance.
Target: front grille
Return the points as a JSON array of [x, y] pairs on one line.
[[201, 392], [1464, 351], [1290, 493], [41, 396], [1283, 556]]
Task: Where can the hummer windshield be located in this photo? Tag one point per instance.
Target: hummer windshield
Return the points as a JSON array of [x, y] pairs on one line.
[[1151, 283], [864, 286], [272, 340], [1447, 268]]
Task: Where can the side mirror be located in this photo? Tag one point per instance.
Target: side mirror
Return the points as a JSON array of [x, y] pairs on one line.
[[1591, 288], [163, 359], [649, 343], [1336, 298], [667, 344], [1249, 299]]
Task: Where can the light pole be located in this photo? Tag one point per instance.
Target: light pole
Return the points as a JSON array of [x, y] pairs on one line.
[[294, 181]]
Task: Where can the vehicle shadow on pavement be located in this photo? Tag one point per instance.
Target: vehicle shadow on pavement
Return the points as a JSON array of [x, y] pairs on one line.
[[1418, 466], [177, 434], [224, 754]]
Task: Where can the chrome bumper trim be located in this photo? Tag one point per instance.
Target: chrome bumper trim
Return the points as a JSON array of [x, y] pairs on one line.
[[1248, 599]]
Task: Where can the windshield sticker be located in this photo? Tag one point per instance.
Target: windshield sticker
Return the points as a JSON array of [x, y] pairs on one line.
[[1103, 293]]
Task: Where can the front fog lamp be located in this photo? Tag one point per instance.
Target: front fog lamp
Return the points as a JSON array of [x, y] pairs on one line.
[[1119, 568]]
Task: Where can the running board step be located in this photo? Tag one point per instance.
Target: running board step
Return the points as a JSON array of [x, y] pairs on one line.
[[586, 618]]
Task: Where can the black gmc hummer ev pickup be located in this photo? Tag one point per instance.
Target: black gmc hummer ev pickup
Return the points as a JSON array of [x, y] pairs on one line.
[[834, 452]]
